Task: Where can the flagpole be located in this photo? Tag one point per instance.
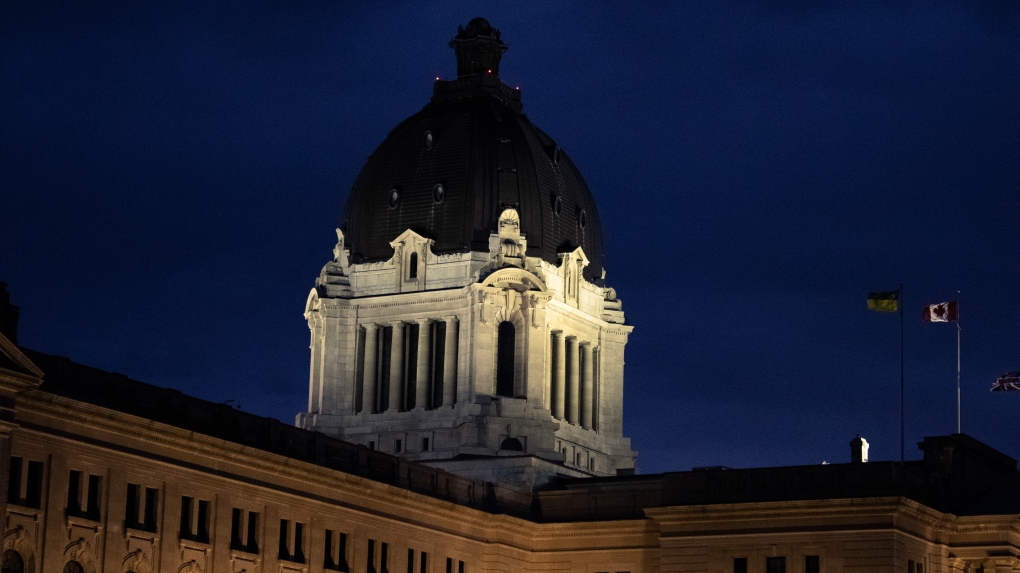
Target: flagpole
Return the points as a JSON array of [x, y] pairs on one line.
[[901, 372], [958, 425]]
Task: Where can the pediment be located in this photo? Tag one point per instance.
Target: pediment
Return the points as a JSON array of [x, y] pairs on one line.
[[516, 279]]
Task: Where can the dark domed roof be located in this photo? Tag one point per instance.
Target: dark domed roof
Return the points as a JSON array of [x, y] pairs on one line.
[[448, 171]]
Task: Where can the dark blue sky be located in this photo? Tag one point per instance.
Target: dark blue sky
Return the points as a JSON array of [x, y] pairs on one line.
[[171, 175]]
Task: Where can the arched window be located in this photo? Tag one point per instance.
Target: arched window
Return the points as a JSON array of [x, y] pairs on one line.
[[73, 567], [512, 445], [412, 266], [12, 562], [505, 360]]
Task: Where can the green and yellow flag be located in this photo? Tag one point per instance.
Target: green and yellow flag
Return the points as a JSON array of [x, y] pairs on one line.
[[884, 301]]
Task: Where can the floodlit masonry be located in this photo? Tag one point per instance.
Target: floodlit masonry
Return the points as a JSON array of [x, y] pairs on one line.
[[464, 320]]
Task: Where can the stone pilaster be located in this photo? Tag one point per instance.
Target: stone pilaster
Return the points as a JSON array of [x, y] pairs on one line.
[[422, 380], [587, 385], [559, 371], [450, 362], [573, 380], [396, 366], [370, 374]]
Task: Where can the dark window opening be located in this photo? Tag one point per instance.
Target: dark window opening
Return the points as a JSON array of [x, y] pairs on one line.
[[291, 548], [92, 506], [424, 444], [423, 566], [410, 561], [11, 562], [141, 513], [33, 489], [740, 565], [75, 507], [244, 538], [811, 564], [371, 444], [775, 565], [336, 551], [409, 399], [412, 266], [73, 567], [505, 360], [14, 482], [194, 527], [397, 446], [512, 445], [383, 566], [460, 567], [370, 561]]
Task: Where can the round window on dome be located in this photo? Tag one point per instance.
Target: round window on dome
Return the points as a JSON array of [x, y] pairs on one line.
[[582, 218], [429, 140], [438, 192], [557, 204], [394, 198]]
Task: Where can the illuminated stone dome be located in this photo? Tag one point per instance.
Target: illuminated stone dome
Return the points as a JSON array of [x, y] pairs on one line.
[[448, 171]]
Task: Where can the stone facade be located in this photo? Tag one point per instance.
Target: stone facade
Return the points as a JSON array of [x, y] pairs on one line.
[[406, 357], [108, 475]]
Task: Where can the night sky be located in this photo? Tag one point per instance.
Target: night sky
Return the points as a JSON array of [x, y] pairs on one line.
[[171, 175]]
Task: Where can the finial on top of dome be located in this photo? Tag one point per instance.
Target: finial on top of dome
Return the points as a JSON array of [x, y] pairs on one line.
[[478, 48]]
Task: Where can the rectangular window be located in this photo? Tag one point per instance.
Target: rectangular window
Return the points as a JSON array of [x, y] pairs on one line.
[[131, 509], [194, 525], [151, 505], [33, 489], [423, 566], [918, 567], [775, 565], [75, 507], [370, 560], [397, 446], [291, 542], [32, 485], [336, 551], [244, 527], [92, 508], [424, 444], [74, 493], [383, 557], [811, 564], [460, 567], [14, 481], [141, 514], [410, 561], [740, 565], [449, 565]]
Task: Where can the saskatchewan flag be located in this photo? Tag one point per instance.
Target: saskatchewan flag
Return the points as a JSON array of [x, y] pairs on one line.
[[884, 301]]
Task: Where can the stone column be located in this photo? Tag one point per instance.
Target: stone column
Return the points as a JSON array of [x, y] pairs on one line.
[[557, 393], [587, 386], [421, 389], [573, 380], [396, 366], [450, 363], [369, 375]]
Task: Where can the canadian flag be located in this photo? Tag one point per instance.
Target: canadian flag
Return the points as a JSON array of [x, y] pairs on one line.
[[940, 312]]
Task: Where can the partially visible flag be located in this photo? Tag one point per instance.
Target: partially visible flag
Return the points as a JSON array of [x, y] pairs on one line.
[[940, 312], [884, 301], [1009, 381]]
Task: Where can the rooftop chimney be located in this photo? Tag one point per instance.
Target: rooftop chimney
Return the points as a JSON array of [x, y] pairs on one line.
[[858, 450]]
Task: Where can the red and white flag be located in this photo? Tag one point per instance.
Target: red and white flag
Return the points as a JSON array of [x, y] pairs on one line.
[[940, 312]]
